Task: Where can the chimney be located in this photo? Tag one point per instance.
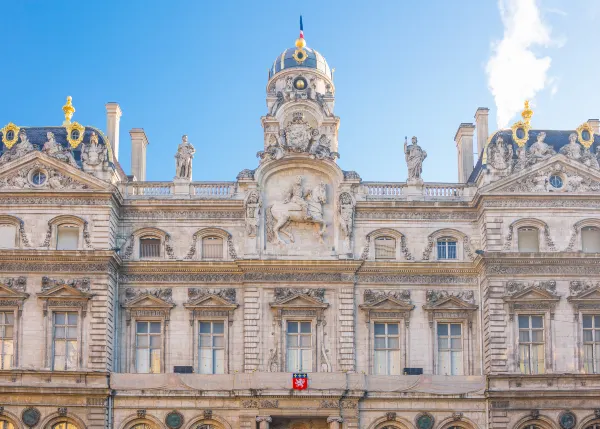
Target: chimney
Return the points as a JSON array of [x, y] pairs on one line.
[[139, 142], [481, 124], [113, 119], [464, 148], [595, 124]]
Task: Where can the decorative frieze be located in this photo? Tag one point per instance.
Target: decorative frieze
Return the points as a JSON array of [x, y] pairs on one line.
[[414, 215], [228, 294], [283, 294], [435, 296], [135, 213], [415, 279], [371, 296], [82, 284], [514, 287], [133, 294], [17, 284]]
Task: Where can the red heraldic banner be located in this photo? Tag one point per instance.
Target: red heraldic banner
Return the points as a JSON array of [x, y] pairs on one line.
[[300, 381]]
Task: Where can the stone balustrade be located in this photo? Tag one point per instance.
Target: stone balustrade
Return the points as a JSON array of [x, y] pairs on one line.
[[443, 190], [384, 190]]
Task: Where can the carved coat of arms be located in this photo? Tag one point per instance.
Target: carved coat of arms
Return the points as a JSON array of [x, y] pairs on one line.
[[299, 133]]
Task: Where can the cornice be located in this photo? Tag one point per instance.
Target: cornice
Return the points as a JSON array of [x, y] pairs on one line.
[[403, 267], [203, 204], [21, 260], [291, 266]]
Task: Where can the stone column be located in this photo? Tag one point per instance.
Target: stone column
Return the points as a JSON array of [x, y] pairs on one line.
[[264, 422], [335, 422]]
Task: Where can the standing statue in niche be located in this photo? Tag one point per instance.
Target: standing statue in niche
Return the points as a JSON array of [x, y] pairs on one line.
[[572, 149], [414, 160], [346, 208], [500, 155], [185, 153], [93, 154], [253, 205], [298, 206], [55, 150]]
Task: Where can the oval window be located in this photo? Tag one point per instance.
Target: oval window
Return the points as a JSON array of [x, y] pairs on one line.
[[556, 181], [10, 135], [38, 178], [75, 135]]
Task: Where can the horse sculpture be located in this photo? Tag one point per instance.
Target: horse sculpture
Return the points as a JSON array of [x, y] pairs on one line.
[[280, 214]]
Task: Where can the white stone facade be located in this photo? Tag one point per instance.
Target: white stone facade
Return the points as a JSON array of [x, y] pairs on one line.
[[119, 296]]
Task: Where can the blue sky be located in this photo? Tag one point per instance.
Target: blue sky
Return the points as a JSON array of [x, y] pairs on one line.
[[200, 68]]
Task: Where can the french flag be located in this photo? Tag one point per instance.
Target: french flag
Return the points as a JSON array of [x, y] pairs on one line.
[[301, 28]]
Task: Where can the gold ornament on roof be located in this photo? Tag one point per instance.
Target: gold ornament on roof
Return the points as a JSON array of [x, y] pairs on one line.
[[585, 134], [69, 110], [10, 135], [522, 127], [75, 134]]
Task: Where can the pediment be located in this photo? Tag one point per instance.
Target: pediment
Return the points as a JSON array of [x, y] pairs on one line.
[[212, 301], [8, 293], [388, 303], [575, 177], [18, 174], [148, 301], [588, 295], [532, 293], [450, 303], [63, 291], [299, 301]]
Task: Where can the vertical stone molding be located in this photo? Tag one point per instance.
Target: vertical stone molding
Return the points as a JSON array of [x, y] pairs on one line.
[[346, 330], [251, 329], [264, 422], [335, 422]]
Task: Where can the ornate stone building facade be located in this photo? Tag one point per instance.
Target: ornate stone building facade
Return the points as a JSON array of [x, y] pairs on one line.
[[132, 304]]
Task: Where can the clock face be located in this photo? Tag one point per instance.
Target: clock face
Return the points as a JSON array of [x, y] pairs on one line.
[[38, 178]]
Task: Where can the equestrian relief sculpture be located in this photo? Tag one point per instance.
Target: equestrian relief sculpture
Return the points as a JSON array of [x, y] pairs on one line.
[[298, 206]]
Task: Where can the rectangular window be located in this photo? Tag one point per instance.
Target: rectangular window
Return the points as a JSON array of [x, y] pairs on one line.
[[67, 237], [528, 240], [446, 249], [148, 347], [591, 343], [149, 248], [531, 344], [212, 248], [299, 347], [65, 350], [387, 349], [211, 347], [590, 239], [450, 349], [7, 341], [385, 248]]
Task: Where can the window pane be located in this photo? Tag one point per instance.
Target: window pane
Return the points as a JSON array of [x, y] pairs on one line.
[[379, 328], [142, 327], [306, 360], [72, 318], [590, 239], [142, 360], [142, 341], [10, 317], [379, 342], [394, 362], [443, 343], [596, 321], [305, 327], [537, 358], [292, 341], [588, 335], [155, 361], [205, 327], [442, 329], [452, 250], [528, 240], [385, 248], [379, 363], [218, 327], [523, 336], [537, 322], [537, 336], [68, 237], [149, 247], [524, 359], [212, 248], [456, 344], [204, 341], [523, 322], [587, 321], [155, 342], [392, 328], [455, 329], [292, 327], [71, 354], [59, 332], [292, 360], [219, 359], [588, 359], [393, 343], [305, 341], [8, 236], [155, 327], [72, 333], [219, 341], [59, 318], [597, 335]]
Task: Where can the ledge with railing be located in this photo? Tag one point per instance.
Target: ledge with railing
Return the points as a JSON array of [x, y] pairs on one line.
[[374, 191], [202, 190]]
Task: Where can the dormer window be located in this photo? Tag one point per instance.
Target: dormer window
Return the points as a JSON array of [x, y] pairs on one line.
[[10, 135], [212, 247], [67, 237], [528, 239], [75, 134], [446, 248], [149, 247], [590, 239], [385, 248]]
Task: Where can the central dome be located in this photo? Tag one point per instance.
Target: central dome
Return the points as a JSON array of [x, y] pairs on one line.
[[290, 59]]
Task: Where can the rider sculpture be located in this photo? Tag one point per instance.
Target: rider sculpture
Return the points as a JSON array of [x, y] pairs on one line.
[[297, 195]]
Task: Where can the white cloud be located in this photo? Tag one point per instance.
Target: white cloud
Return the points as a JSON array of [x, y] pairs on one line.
[[515, 73]]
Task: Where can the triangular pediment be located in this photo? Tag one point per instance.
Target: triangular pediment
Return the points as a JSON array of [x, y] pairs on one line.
[[6, 292], [63, 291], [300, 300], [450, 303], [592, 294], [148, 301], [388, 303], [211, 300], [533, 293], [18, 174], [575, 177]]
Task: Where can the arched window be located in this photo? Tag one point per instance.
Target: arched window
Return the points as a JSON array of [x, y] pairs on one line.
[[212, 247], [528, 239], [5, 424], [446, 248], [8, 236], [385, 248], [590, 239], [149, 247], [64, 425], [67, 237]]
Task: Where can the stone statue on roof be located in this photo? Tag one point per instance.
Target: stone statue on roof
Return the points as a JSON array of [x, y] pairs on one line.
[[55, 150], [540, 150], [414, 156], [499, 154], [184, 155], [572, 149], [93, 154]]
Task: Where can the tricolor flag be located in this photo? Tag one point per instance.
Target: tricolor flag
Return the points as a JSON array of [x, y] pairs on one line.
[[300, 381], [301, 28]]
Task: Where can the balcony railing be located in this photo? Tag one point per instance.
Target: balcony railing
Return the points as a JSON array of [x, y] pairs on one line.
[[384, 190], [444, 190], [214, 190], [149, 188], [205, 190]]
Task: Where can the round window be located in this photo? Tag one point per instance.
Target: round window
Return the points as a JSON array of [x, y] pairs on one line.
[[10, 135], [38, 178], [556, 181], [75, 135], [585, 134]]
